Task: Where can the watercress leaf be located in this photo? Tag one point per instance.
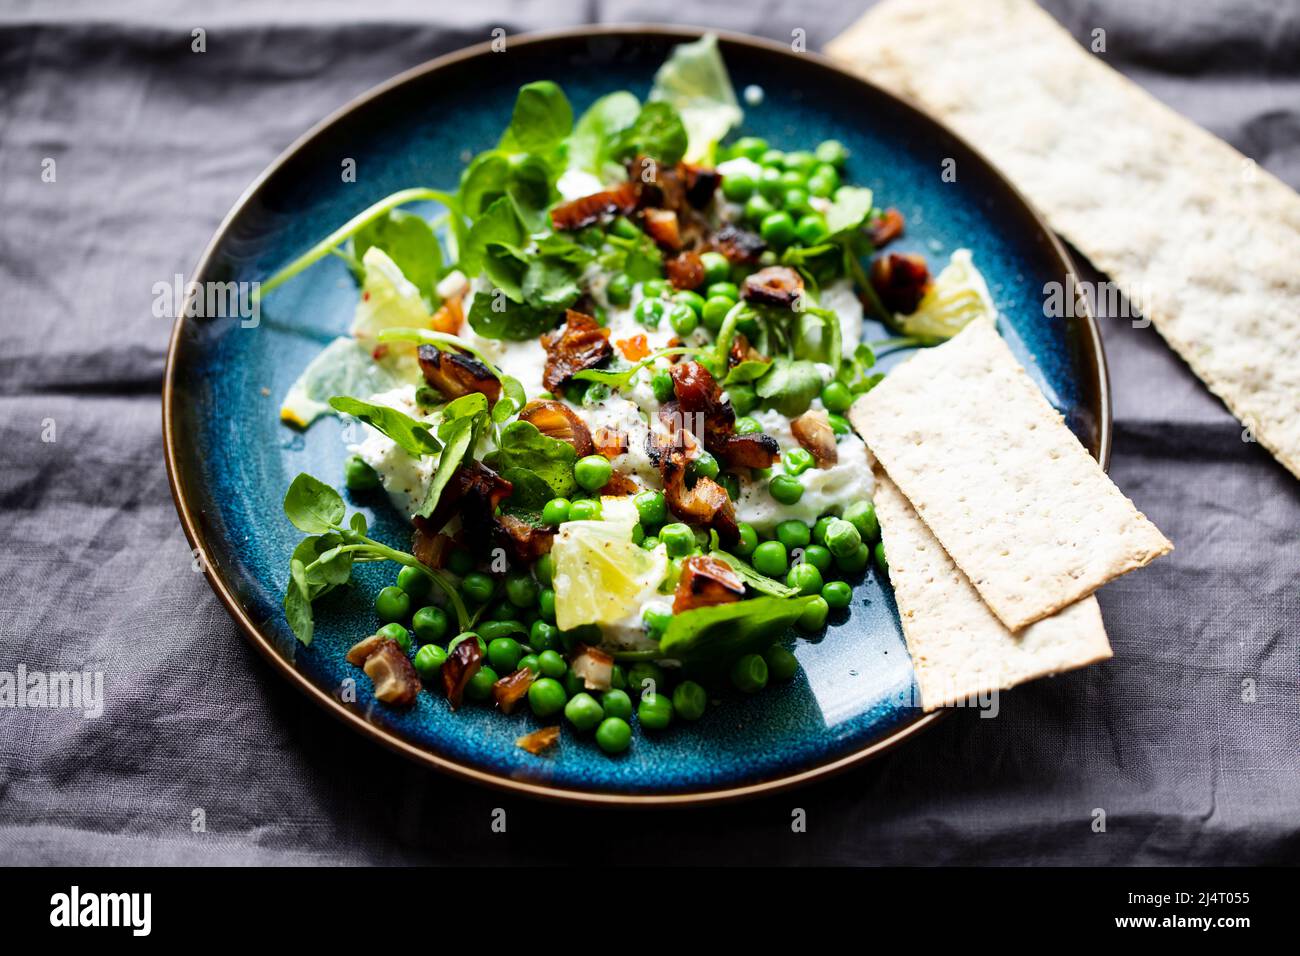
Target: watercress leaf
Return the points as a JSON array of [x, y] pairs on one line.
[[358, 523], [530, 493], [332, 568], [413, 437], [531, 186], [473, 405], [297, 603], [596, 129], [559, 245], [851, 206], [817, 337], [541, 120], [521, 445], [755, 579], [789, 385], [497, 317], [746, 371], [694, 80], [412, 245], [498, 225], [459, 440], [483, 182], [506, 268], [550, 285], [657, 132], [726, 631], [313, 506]]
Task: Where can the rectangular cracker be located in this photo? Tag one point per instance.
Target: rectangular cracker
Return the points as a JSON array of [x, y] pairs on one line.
[[1203, 241], [959, 649], [991, 468]]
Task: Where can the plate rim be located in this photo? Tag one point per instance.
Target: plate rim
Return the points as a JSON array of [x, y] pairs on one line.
[[1095, 358]]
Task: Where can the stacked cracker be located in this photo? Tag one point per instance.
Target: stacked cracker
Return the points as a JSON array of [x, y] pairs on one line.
[[997, 522]]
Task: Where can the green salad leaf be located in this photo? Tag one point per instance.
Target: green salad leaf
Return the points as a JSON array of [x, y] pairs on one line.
[[694, 81], [521, 445], [657, 133], [726, 631], [597, 130], [541, 120], [413, 437], [410, 242], [498, 229], [458, 442], [499, 317], [789, 385]]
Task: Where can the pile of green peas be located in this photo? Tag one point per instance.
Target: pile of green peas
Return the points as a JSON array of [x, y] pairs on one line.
[[777, 200]]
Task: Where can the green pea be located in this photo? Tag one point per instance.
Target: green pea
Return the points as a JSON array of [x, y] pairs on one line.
[[546, 605], [801, 160], [758, 207], [747, 426], [646, 676], [813, 617], [617, 703], [795, 203], [837, 397], [704, 465], [480, 685], [806, 578], [856, 562], [797, 460], [650, 542], [793, 179], [544, 569], [651, 507], [429, 660], [414, 582], [831, 151], [770, 558], [655, 711], [551, 664], [478, 587], [583, 711], [692, 300], [819, 557], [737, 187], [504, 653], [751, 147], [837, 594], [748, 540], [573, 684], [649, 312], [521, 589], [785, 489], [593, 471], [502, 611], [655, 620], [546, 697], [777, 229], [819, 529], [586, 509], [717, 268], [772, 157], [822, 186], [395, 632], [862, 515], [715, 311], [781, 664], [723, 290], [678, 538], [689, 700], [882, 561], [731, 485], [743, 398], [543, 636], [430, 624], [839, 424], [661, 383], [812, 229], [656, 288], [749, 674], [613, 735], [682, 319], [842, 538], [556, 511], [793, 534], [393, 604], [624, 227], [619, 289], [827, 172], [358, 475], [460, 562]]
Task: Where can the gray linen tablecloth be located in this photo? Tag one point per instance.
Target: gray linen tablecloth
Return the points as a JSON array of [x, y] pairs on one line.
[[153, 143]]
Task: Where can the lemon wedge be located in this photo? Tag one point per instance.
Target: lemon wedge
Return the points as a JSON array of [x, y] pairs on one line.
[[600, 575], [957, 296]]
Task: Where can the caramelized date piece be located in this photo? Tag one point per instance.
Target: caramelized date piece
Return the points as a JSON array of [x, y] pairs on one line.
[[395, 680], [663, 227], [580, 344], [454, 374], [699, 183], [588, 210], [539, 741], [430, 548], [593, 666], [901, 281], [685, 270], [706, 581], [738, 245], [886, 228], [776, 285], [465, 660], [813, 430], [756, 450], [509, 689], [557, 420], [525, 543], [474, 492]]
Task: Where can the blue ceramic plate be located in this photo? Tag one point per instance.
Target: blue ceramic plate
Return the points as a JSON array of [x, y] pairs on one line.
[[230, 459]]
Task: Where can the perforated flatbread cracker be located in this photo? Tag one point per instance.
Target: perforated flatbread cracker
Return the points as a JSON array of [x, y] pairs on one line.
[[1005, 486], [959, 649], [1188, 227]]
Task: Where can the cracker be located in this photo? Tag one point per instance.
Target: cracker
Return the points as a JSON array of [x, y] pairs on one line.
[[959, 649], [1190, 229], [1005, 486]]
